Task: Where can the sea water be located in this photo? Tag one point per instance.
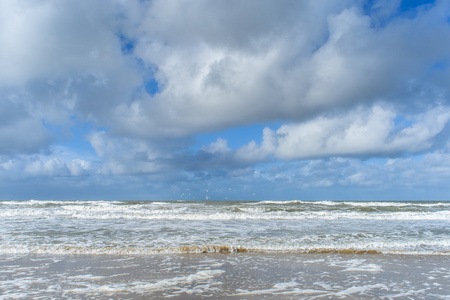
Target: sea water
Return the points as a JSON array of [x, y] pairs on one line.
[[239, 250]]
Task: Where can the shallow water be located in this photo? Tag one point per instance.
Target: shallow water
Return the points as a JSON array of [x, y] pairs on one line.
[[230, 276]]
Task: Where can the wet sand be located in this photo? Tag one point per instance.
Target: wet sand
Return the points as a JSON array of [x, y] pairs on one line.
[[225, 276]]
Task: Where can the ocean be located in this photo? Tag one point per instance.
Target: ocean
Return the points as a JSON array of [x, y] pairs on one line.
[[224, 249]]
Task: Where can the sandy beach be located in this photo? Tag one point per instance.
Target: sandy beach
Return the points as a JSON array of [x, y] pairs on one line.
[[225, 276]]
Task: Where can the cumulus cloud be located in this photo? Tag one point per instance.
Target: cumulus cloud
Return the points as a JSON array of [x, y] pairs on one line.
[[125, 155], [362, 132], [343, 80], [218, 64], [22, 167], [283, 71], [252, 152], [53, 39], [59, 60], [358, 132]]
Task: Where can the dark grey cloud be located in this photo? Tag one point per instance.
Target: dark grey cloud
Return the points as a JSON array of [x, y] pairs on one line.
[[221, 64], [337, 59], [21, 129]]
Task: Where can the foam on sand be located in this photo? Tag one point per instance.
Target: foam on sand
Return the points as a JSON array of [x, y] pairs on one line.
[[218, 276]]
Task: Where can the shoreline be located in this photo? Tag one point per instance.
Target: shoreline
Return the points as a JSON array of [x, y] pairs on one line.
[[205, 249]]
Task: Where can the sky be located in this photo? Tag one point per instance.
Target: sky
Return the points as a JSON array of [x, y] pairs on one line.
[[224, 100]]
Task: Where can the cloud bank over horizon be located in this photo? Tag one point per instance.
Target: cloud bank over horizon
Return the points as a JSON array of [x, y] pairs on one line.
[[224, 99]]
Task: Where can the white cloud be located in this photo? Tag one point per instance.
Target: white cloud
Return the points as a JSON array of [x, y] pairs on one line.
[[359, 132], [254, 153], [22, 167], [220, 146], [125, 156], [79, 167]]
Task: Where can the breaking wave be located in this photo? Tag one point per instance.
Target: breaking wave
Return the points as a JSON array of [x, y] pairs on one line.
[[137, 227]]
